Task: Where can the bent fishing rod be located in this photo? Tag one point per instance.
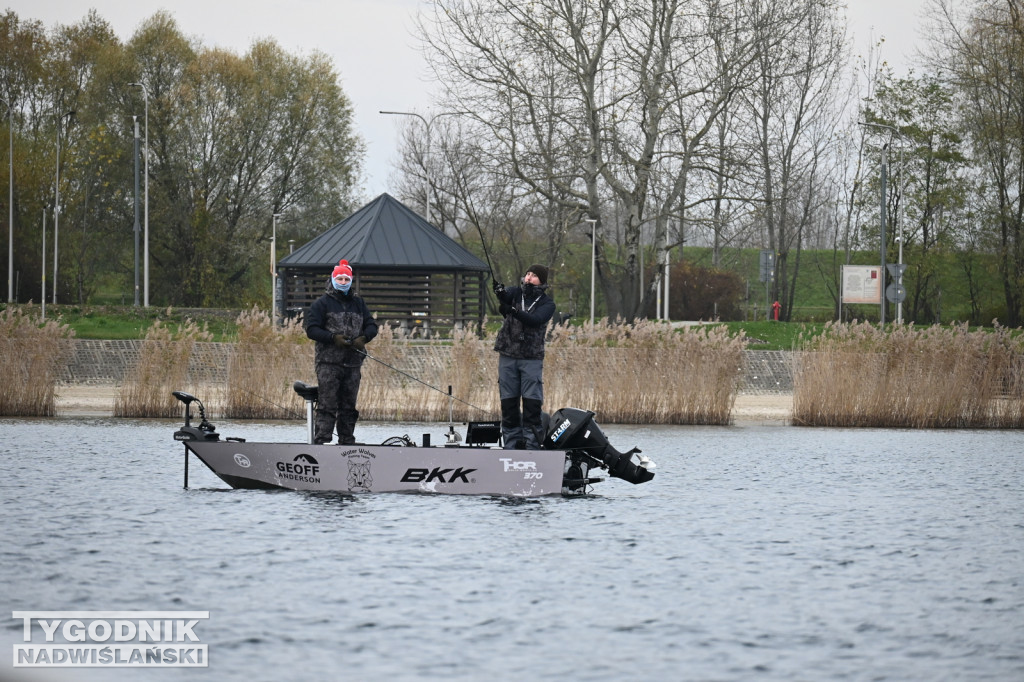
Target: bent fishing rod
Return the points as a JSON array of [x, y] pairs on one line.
[[406, 374], [487, 256], [293, 413]]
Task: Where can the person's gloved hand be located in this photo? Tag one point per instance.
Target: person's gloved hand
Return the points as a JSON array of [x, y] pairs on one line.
[[504, 309], [499, 288], [341, 342], [359, 343]]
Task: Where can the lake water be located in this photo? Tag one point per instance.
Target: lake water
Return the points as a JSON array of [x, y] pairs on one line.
[[757, 553]]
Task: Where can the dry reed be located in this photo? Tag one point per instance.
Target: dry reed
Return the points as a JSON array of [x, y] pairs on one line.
[[33, 353], [645, 372], [161, 368], [407, 380], [627, 373], [265, 361], [857, 375]]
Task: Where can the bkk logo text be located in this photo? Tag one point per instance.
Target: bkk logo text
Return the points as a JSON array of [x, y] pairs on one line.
[[110, 639]]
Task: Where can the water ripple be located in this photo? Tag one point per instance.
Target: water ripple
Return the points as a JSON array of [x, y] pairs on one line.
[[766, 553]]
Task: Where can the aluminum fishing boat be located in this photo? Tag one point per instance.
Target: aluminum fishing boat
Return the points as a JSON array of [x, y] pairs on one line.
[[574, 449]]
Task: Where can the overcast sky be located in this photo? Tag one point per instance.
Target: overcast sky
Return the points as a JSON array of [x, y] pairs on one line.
[[374, 49]]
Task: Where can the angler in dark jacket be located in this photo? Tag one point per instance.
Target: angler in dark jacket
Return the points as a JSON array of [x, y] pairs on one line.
[[520, 345], [341, 325]]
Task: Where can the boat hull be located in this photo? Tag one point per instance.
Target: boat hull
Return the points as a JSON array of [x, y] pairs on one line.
[[383, 468]]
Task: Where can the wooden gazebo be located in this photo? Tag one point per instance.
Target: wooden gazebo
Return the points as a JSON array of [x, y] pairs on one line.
[[411, 274]]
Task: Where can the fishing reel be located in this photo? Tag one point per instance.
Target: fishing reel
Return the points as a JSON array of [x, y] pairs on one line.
[[204, 431]]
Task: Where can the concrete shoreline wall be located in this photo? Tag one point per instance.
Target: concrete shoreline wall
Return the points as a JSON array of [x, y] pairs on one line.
[[105, 362]]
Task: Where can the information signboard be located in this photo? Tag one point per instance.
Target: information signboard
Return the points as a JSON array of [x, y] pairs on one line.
[[862, 284]]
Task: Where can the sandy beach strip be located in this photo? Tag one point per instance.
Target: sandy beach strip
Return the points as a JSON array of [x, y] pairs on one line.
[[75, 400]]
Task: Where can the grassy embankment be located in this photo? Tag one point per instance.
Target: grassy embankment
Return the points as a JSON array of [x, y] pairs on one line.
[[126, 322]]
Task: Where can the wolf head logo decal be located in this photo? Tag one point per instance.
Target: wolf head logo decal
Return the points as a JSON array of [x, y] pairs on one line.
[[359, 477]]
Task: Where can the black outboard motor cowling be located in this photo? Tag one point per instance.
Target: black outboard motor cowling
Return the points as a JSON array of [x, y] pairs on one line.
[[574, 429]]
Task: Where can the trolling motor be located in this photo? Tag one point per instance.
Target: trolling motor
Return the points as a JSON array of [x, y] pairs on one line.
[[205, 430], [572, 429]]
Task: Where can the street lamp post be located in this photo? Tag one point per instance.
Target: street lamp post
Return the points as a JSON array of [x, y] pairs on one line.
[[273, 269], [145, 259], [10, 201], [899, 217], [43, 280], [426, 160], [135, 157], [668, 272], [593, 263], [56, 205]]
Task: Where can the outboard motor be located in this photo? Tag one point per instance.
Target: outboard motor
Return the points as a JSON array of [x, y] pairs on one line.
[[574, 429]]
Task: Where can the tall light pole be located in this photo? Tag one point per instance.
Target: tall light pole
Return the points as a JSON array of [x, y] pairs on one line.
[[668, 271], [43, 281], [593, 262], [899, 217], [273, 269], [56, 205], [10, 201], [135, 157], [145, 248], [426, 159]]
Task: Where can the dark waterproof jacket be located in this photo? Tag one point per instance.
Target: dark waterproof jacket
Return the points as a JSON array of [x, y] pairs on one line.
[[522, 333], [338, 313]]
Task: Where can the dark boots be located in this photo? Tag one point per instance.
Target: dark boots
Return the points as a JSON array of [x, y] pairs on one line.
[[521, 431], [511, 424], [533, 427]]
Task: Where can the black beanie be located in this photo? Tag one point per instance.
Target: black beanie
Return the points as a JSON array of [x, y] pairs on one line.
[[540, 271]]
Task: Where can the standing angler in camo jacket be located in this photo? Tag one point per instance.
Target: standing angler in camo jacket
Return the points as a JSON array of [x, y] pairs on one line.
[[341, 325]]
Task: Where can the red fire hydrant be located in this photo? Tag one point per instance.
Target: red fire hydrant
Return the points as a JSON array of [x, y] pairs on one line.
[[776, 307]]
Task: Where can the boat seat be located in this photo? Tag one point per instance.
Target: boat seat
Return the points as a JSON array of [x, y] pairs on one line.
[[307, 392]]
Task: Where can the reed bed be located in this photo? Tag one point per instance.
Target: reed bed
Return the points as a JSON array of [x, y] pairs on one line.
[[408, 381], [265, 362], [626, 373], [33, 353], [857, 375], [645, 373], [161, 368]]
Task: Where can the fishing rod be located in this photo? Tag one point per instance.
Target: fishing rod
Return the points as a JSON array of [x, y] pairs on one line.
[[295, 415], [487, 256], [406, 374]]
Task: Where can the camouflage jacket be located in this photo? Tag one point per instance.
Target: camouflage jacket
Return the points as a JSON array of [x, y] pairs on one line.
[[338, 313], [522, 333]]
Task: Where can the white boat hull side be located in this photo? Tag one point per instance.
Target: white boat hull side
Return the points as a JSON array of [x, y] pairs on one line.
[[384, 468]]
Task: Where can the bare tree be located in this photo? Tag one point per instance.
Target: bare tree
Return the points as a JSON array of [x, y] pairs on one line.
[[791, 106], [582, 104], [978, 48]]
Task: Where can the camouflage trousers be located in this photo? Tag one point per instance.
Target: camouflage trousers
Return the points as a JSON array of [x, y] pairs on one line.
[[336, 404]]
